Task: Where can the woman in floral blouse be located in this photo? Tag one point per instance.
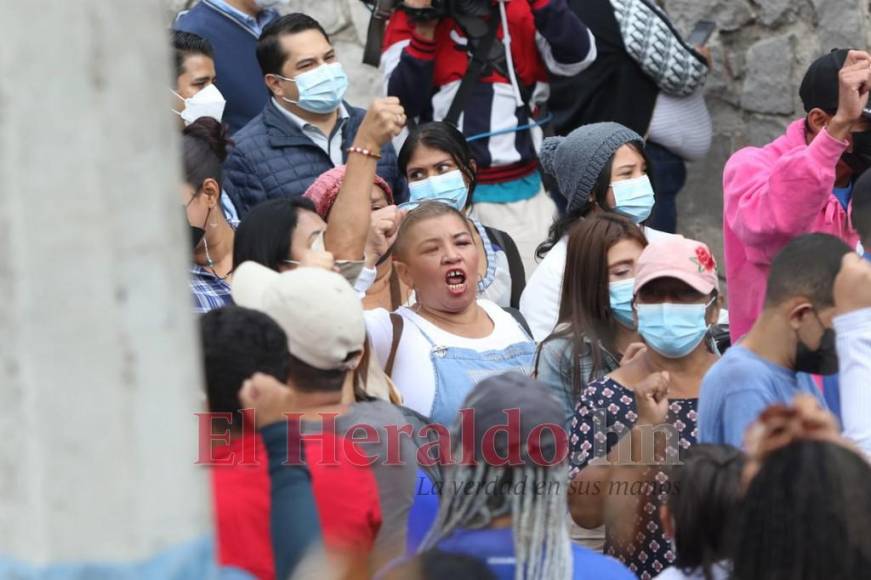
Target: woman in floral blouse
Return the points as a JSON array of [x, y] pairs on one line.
[[632, 426]]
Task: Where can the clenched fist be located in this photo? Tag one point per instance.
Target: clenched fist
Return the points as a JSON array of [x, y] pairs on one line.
[[651, 399], [854, 83], [269, 398], [384, 120], [382, 232]]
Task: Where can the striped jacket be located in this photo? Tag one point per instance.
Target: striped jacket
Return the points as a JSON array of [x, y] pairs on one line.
[[425, 75]]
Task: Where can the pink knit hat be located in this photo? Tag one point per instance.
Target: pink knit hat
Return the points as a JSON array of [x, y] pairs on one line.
[[325, 188]]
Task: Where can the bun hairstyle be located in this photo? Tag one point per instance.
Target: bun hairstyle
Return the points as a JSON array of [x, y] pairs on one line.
[[205, 146]]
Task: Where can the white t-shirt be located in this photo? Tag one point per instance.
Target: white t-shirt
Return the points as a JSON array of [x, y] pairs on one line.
[[413, 371], [540, 300]]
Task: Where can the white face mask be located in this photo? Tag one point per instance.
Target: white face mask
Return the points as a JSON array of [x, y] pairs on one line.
[[209, 102]]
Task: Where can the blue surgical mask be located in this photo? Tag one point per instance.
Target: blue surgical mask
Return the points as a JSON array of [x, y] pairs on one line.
[[621, 301], [633, 197], [320, 90], [672, 330], [448, 187]]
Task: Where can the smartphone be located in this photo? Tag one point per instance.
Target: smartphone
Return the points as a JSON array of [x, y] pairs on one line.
[[701, 33]]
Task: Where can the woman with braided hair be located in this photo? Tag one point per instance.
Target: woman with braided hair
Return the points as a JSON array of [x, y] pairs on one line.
[[507, 503]]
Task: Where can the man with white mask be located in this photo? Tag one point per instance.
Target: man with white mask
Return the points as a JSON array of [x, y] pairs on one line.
[[232, 28], [306, 128], [196, 93]]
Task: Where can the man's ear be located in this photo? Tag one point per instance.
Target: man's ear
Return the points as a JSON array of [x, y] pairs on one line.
[[796, 310], [817, 119], [355, 361], [273, 83]]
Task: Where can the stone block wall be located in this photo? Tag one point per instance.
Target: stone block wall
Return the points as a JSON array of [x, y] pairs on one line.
[[760, 51]]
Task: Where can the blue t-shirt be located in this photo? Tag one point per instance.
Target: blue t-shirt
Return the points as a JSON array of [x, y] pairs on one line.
[[844, 194], [738, 388], [496, 548]]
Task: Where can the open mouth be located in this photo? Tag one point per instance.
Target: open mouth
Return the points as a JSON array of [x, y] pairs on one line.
[[456, 281]]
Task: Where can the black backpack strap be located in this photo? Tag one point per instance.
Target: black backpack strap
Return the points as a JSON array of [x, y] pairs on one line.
[[477, 62], [375, 33], [516, 315], [515, 264]]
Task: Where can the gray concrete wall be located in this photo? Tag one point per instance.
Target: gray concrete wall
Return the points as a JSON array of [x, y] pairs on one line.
[[99, 373], [760, 50]]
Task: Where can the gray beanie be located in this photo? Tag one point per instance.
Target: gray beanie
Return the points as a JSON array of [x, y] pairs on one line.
[[577, 159]]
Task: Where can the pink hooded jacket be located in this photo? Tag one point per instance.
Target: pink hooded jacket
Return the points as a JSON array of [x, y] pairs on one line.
[[771, 195]]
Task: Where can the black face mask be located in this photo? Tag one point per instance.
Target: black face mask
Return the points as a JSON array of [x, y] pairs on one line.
[[196, 235], [859, 160], [823, 360]]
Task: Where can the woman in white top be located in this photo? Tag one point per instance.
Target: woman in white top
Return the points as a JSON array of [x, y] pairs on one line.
[[598, 167], [439, 348]]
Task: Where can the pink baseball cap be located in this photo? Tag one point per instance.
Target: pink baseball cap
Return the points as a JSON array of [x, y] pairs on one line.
[[689, 261]]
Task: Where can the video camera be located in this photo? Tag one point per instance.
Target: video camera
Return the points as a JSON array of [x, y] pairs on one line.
[[382, 9]]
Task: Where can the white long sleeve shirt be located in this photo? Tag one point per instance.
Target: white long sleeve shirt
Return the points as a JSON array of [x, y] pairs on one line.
[[853, 331]]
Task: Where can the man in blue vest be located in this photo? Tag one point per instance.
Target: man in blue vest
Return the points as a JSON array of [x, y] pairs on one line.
[[306, 128], [233, 27]]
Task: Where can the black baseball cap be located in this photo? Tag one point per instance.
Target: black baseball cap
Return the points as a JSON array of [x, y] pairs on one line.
[[819, 87]]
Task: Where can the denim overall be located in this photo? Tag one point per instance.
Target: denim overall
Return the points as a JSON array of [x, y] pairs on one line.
[[457, 370]]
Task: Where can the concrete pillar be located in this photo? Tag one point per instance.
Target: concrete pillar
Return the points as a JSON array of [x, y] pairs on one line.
[[99, 374]]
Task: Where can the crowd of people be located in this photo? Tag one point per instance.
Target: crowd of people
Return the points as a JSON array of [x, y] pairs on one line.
[[456, 333]]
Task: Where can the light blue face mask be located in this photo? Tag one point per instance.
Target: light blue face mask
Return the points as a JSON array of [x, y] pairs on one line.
[[621, 301], [633, 198], [672, 330], [320, 90], [447, 186]]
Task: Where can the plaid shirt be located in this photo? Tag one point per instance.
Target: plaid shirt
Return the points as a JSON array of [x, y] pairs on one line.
[[210, 292]]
